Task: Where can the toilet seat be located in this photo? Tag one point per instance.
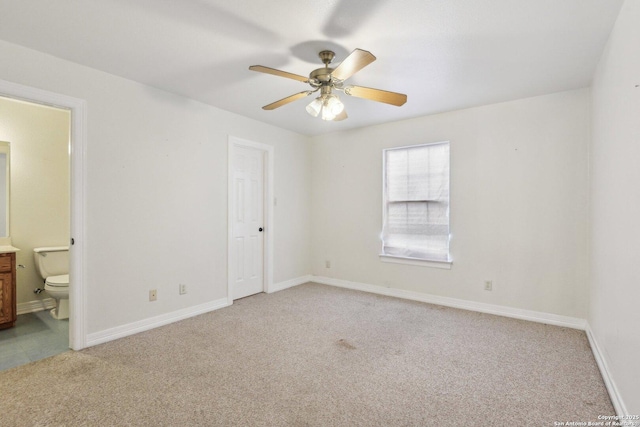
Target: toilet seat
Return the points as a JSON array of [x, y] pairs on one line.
[[61, 281]]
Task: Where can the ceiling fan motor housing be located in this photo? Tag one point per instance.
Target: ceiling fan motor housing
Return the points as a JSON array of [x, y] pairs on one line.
[[323, 75]]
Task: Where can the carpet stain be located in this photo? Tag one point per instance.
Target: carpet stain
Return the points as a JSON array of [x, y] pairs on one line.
[[345, 344]]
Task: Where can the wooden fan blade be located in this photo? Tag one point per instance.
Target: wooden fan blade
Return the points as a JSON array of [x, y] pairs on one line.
[[287, 100], [378, 95], [267, 70], [356, 61], [341, 116]]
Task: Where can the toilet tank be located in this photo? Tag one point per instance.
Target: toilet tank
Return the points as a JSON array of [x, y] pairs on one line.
[[52, 261]]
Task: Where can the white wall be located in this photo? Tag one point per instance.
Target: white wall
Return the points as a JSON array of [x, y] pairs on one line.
[[518, 203], [614, 310], [156, 212], [39, 138]]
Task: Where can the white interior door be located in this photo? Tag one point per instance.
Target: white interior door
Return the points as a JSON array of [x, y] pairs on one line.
[[248, 221]]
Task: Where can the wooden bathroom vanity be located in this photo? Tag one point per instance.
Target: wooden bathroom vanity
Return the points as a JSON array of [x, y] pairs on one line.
[[8, 314]]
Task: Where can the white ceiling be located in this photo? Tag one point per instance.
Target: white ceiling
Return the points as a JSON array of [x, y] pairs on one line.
[[444, 54]]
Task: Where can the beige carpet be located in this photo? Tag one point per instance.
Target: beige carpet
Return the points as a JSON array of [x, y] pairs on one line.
[[316, 355]]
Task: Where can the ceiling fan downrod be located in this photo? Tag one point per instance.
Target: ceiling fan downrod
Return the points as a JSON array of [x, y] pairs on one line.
[[321, 77]]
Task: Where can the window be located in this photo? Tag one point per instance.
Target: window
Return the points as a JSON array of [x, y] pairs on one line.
[[416, 202]]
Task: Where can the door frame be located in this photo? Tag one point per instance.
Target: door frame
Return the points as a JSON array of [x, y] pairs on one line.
[[77, 175], [268, 170]]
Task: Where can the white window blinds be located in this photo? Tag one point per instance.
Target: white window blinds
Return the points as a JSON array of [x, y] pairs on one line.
[[416, 202]]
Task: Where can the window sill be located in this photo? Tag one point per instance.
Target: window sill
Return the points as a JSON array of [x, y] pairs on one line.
[[416, 261]]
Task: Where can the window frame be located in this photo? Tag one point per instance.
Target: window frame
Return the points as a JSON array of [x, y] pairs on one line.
[[425, 262]]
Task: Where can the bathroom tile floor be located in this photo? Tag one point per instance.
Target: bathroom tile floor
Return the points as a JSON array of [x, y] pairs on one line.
[[35, 336]]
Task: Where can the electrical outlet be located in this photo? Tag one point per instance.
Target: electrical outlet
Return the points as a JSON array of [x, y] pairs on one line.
[[153, 295], [488, 285], [327, 264], [182, 289]]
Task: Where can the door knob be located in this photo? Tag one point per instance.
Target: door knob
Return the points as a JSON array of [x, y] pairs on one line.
[[260, 229]]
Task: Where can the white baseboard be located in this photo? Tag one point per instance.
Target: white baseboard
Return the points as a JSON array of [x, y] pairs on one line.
[[35, 306], [154, 322], [601, 360], [517, 313], [290, 283]]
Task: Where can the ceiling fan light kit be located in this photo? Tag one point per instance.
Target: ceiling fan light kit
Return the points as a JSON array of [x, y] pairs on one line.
[[327, 103], [325, 79], [315, 107]]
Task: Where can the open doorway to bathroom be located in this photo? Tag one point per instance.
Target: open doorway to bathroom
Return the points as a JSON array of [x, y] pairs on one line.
[[38, 212]]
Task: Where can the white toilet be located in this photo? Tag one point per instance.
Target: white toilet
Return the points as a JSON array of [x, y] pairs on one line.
[[52, 264]]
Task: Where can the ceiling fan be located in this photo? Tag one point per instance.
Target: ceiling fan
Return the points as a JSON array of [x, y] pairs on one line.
[[327, 79]]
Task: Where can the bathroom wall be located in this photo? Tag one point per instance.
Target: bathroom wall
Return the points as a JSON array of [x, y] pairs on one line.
[[39, 216]]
